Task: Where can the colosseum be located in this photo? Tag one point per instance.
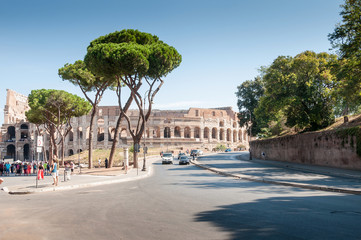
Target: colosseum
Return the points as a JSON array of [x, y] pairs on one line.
[[196, 128]]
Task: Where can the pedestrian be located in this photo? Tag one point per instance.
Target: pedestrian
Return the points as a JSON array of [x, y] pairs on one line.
[[41, 172], [72, 165], [12, 168], [99, 162], [34, 168], [47, 168], [54, 171], [106, 162], [18, 169], [1, 168], [25, 169], [1, 180], [7, 169]]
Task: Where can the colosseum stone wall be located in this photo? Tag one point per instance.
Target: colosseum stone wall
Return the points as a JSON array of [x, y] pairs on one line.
[[193, 128]]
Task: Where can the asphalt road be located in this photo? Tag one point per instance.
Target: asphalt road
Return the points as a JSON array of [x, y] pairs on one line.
[[181, 202]]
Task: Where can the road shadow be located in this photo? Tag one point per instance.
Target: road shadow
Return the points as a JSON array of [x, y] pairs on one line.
[[288, 218]]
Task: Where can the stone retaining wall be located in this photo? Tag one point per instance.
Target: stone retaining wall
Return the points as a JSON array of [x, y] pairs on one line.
[[329, 148]]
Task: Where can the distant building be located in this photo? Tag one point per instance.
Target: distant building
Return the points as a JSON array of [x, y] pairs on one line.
[[193, 128]]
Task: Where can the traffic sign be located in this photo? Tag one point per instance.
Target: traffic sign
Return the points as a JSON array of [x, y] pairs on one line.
[[40, 141]]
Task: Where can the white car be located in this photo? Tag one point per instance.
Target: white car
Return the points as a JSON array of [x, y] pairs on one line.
[[167, 158], [184, 160]]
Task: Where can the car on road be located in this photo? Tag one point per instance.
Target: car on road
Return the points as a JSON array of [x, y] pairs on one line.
[[228, 150], [167, 158], [196, 152], [184, 160]]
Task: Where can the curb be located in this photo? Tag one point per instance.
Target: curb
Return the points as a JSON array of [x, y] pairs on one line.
[[262, 180], [52, 189]]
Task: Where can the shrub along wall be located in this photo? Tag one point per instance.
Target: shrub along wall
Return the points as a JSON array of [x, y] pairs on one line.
[[336, 148]]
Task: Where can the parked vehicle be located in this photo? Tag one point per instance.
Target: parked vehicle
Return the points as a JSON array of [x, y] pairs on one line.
[[184, 160], [228, 150], [167, 158]]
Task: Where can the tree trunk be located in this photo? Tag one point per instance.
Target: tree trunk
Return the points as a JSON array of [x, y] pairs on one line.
[[53, 143], [62, 151], [115, 141], [136, 140], [135, 156], [90, 154], [50, 160], [117, 128]]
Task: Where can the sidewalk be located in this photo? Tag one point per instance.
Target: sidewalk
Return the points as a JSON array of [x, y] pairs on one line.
[[283, 173], [87, 178]]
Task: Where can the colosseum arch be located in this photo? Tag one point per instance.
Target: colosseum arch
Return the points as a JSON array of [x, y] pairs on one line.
[[187, 132], [24, 126], [167, 132], [156, 132], [24, 134], [197, 132], [26, 150], [71, 135], [214, 133], [240, 136], [11, 132], [10, 151], [177, 132], [221, 123], [206, 132], [234, 136], [111, 132], [80, 132], [123, 133], [235, 124], [70, 152], [221, 134], [229, 135], [87, 132], [100, 135]]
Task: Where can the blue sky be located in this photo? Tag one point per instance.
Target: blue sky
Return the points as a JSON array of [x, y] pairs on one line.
[[222, 42]]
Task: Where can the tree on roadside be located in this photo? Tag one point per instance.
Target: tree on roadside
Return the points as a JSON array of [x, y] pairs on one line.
[[54, 109], [347, 35], [249, 94], [300, 89], [347, 92], [346, 38], [132, 58], [80, 76]]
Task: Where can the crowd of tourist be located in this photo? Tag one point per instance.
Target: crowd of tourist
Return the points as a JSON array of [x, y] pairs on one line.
[[23, 168]]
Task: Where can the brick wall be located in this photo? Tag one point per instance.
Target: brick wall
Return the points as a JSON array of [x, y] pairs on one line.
[[318, 148]]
